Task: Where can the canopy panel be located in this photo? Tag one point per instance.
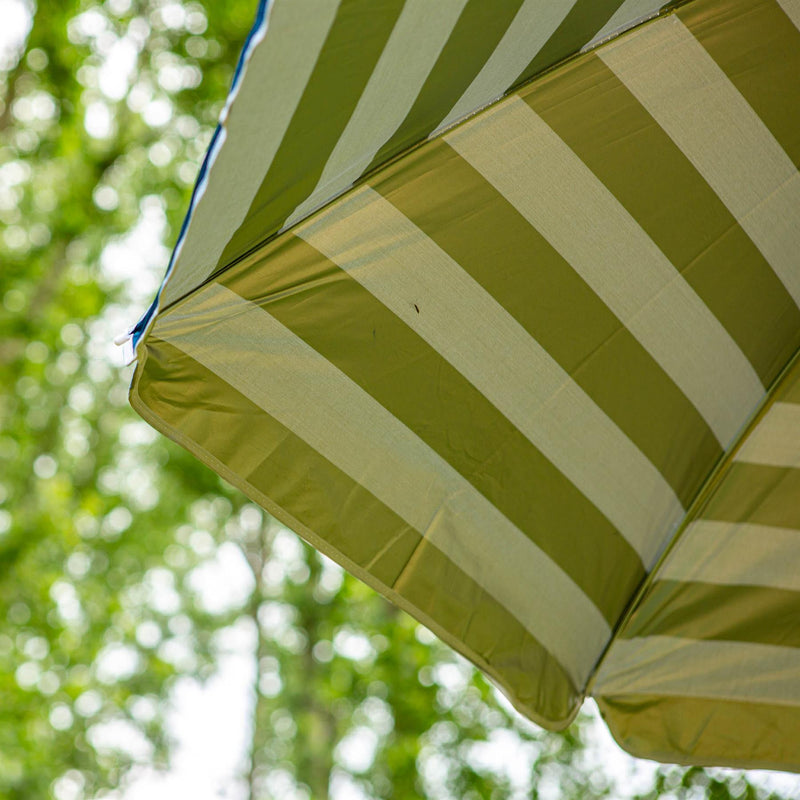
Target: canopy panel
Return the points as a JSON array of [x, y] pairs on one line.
[[493, 377], [706, 668], [332, 93]]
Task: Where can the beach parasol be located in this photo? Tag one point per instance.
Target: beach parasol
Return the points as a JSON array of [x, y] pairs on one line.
[[496, 303]]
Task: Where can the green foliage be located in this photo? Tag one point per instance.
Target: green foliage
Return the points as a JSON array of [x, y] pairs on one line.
[[687, 784], [94, 550], [104, 525]]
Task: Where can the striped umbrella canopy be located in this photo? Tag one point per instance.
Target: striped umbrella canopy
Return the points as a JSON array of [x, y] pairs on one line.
[[497, 304]]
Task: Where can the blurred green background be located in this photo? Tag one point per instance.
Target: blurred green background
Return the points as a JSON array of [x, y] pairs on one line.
[[128, 571]]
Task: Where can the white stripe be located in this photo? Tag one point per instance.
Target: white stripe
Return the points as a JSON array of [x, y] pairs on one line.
[[776, 439], [691, 98], [745, 672], [404, 269], [736, 554], [249, 349], [792, 10], [533, 25], [557, 193], [630, 13], [277, 74], [417, 40]]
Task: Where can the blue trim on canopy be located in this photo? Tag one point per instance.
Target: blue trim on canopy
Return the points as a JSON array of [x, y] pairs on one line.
[[258, 27]]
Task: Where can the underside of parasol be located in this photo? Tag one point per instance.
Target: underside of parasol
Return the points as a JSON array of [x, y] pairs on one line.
[[497, 304]]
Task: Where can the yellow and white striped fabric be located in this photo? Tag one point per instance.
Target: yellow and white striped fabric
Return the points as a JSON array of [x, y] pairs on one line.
[[707, 668], [490, 361], [331, 93]]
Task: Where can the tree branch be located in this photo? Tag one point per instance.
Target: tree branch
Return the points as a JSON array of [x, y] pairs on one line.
[[256, 558]]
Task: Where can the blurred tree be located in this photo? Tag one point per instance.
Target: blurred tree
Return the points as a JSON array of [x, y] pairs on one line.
[[354, 698], [106, 111]]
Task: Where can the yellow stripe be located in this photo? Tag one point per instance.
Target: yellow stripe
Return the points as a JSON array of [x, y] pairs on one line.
[[257, 128], [776, 439], [757, 493], [693, 100], [666, 665], [553, 189], [422, 29], [703, 731], [530, 29], [263, 360], [736, 554], [401, 266]]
